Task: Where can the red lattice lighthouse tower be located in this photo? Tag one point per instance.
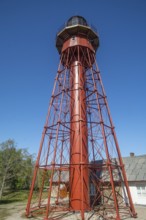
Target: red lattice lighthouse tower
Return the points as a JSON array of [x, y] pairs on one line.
[[79, 170]]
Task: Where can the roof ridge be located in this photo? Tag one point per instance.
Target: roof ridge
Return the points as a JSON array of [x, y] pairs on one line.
[[143, 155]]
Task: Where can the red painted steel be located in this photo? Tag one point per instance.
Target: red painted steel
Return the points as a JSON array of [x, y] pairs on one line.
[[79, 167], [79, 177], [77, 41]]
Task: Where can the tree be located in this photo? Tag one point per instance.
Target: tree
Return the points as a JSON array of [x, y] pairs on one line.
[[15, 167]]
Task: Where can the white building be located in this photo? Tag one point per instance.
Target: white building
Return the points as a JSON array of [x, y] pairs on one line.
[[135, 167]]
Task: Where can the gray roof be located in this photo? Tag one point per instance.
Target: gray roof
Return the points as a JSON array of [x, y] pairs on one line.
[[64, 177], [135, 167]]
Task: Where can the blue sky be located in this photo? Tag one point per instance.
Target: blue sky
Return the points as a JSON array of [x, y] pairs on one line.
[[29, 61]]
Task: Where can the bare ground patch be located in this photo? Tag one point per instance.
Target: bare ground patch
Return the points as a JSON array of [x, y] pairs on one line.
[[16, 211]]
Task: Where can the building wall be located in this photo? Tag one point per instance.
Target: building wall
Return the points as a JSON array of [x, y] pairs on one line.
[[138, 192]]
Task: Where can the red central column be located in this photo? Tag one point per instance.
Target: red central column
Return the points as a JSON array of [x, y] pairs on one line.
[[79, 178]]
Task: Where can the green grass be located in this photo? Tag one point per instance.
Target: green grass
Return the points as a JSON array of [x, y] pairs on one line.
[[10, 197]]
